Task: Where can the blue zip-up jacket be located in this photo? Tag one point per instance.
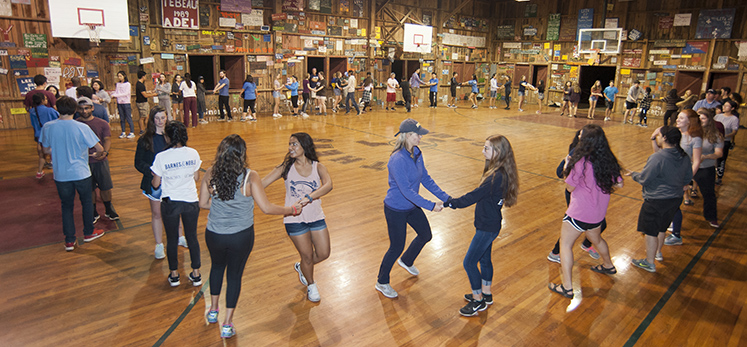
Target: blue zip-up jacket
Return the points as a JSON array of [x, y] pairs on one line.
[[405, 176], [489, 199]]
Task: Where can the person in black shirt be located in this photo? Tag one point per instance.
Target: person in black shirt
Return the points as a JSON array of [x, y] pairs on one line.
[[453, 88], [507, 91], [406, 94], [141, 100]]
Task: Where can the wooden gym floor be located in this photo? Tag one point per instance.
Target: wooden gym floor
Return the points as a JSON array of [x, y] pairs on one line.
[[113, 292]]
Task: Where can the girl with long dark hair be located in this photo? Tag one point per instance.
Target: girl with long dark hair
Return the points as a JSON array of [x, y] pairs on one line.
[[711, 150], [175, 171], [403, 204], [177, 100], [574, 98], [596, 92], [163, 89], [666, 173], [250, 98], [188, 88], [306, 181], [229, 190], [499, 186], [566, 98], [592, 175], [123, 93], [150, 143]]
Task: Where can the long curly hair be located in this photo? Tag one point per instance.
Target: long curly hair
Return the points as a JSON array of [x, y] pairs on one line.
[[309, 151], [593, 147], [229, 164], [503, 162]]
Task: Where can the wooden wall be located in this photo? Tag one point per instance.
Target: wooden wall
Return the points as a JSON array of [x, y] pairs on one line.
[[301, 35]]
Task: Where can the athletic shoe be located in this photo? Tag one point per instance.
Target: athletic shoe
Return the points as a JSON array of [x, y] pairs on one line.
[[48, 165], [221, 119], [212, 316], [645, 125], [643, 264], [243, 119], [70, 246], [487, 298], [305, 115], [718, 181], [659, 257], [312, 292], [131, 136], [39, 175], [112, 215], [174, 281], [297, 267], [672, 240], [159, 253], [229, 120], [202, 121], [592, 252], [472, 308], [520, 110], [359, 113], [387, 290], [95, 216], [183, 242], [411, 269], [122, 135], [555, 258], [95, 235], [506, 108], [474, 106], [713, 223], [196, 281], [227, 331], [671, 227], [607, 118]]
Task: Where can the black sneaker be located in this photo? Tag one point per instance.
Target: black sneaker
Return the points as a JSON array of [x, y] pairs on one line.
[[473, 307], [112, 215], [488, 298], [174, 281], [95, 216], [196, 281]]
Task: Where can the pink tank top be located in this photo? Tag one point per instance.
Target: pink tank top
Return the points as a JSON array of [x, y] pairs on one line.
[[296, 188]]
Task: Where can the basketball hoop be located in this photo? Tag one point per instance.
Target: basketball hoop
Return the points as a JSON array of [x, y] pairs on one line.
[[94, 32], [594, 56]]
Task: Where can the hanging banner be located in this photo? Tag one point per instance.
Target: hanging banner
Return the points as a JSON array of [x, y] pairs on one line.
[[715, 24], [180, 14], [553, 27]]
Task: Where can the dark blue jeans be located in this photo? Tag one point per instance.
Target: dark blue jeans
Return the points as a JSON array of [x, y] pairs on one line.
[[397, 222], [171, 212], [66, 191], [125, 117], [480, 251], [351, 96], [706, 178]]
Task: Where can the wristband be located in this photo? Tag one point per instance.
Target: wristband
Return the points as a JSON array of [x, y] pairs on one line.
[[309, 197], [294, 210]]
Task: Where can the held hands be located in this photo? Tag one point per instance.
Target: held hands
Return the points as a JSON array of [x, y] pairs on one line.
[[438, 207], [297, 208], [627, 172]]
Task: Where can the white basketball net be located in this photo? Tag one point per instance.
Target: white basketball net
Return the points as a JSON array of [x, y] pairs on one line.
[[94, 31]]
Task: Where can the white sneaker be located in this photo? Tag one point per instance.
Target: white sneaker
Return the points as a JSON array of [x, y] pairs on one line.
[[122, 135], [183, 242], [411, 269], [520, 110], [202, 121], [659, 257], [306, 115], [130, 136], [387, 290], [312, 292], [159, 251], [301, 277]]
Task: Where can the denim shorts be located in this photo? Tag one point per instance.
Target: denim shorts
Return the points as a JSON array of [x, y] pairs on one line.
[[522, 93], [493, 94], [295, 229], [275, 94]]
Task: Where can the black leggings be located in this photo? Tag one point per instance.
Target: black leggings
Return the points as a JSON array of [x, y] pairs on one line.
[[305, 101], [643, 116], [508, 100], [223, 104], [171, 212], [433, 97], [669, 114], [229, 251], [249, 105], [721, 162]]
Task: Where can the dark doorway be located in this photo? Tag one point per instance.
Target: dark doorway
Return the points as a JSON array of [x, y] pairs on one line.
[[688, 80], [412, 65], [203, 65], [718, 80], [337, 65], [235, 70], [539, 74], [591, 74], [398, 67], [315, 62]]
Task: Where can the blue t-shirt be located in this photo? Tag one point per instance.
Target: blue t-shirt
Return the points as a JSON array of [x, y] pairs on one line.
[[473, 83], [223, 91], [293, 87], [70, 141], [610, 92], [434, 88], [250, 91], [43, 114]]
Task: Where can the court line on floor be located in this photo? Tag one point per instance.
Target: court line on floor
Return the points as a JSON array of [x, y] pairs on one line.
[[681, 278], [184, 314]]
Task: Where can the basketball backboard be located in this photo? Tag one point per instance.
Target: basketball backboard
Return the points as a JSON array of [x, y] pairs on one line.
[[73, 18], [604, 41], [418, 38]]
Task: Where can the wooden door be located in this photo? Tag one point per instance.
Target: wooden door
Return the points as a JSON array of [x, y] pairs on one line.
[[688, 80], [540, 74], [719, 80], [234, 66], [522, 70]]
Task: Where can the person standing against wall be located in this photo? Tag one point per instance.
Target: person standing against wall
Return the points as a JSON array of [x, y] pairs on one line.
[[415, 83], [201, 99], [222, 90]]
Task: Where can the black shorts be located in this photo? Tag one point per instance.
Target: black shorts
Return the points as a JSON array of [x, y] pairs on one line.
[[579, 225], [610, 104], [656, 214], [294, 100], [249, 105], [100, 176], [630, 105], [453, 92]]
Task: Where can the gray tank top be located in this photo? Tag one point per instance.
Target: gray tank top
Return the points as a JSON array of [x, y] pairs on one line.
[[232, 216]]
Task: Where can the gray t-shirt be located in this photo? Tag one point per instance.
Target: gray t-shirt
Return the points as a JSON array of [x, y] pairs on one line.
[[709, 148], [633, 94], [232, 216], [688, 143], [730, 123]]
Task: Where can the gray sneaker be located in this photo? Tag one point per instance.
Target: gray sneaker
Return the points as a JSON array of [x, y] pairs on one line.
[[312, 292], [659, 257], [672, 240], [411, 269], [644, 264], [387, 290], [555, 258]]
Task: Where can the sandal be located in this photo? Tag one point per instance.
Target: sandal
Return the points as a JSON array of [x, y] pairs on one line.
[[693, 193], [604, 270], [558, 288], [689, 202]]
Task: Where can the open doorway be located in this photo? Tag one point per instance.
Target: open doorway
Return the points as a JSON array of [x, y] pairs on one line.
[[591, 74], [235, 70], [337, 65], [398, 67], [718, 80], [688, 80], [314, 62], [203, 65], [412, 65], [539, 74]]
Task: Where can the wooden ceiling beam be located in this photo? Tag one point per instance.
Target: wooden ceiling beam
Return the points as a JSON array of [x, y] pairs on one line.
[[457, 9]]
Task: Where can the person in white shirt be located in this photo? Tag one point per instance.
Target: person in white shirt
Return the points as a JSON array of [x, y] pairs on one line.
[[189, 92], [493, 91], [391, 91], [71, 92], [352, 83]]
